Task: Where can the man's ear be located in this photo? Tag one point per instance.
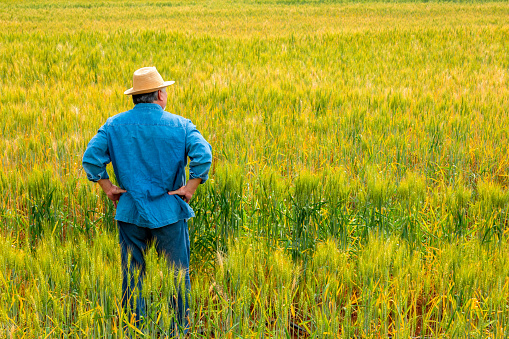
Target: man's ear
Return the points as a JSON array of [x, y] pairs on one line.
[[159, 95]]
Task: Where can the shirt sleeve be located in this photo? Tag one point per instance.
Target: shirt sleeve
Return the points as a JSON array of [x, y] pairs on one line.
[[199, 152], [97, 156]]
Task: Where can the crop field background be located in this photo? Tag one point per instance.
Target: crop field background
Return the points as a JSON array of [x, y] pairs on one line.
[[360, 174]]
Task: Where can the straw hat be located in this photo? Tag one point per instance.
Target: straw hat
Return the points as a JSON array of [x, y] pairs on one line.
[[146, 80]]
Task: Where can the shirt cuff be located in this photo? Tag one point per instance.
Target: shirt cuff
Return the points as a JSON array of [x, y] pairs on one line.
[[95, 173]]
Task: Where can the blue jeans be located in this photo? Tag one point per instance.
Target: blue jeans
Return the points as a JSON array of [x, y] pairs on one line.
[[171, 241]]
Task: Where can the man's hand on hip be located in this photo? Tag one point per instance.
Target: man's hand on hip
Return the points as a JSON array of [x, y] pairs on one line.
[[113, 192], [186, 192]]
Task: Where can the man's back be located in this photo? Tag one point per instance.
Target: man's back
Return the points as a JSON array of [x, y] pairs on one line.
[[148, 148]]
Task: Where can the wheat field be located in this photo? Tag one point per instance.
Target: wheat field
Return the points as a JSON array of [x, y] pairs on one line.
[[360, 172]]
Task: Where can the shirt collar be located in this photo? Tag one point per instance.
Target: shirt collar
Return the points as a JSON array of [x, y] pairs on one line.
[[148, 106]]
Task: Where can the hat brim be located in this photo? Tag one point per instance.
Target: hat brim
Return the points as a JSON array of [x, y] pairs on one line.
[[131, 91]]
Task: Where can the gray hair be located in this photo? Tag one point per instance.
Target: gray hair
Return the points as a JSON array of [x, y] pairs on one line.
[[145, 98]]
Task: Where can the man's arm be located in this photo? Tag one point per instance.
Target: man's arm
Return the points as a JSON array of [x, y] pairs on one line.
[[97, 156], [200, 154], [95, 159]]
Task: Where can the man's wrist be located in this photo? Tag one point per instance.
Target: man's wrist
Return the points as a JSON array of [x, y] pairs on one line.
[[105, 184], [192, 185]]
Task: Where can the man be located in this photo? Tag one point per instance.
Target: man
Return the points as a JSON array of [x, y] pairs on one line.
[[148, 149]]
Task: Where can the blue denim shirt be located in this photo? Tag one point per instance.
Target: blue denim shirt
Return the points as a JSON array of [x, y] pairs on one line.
[[148, 149]]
